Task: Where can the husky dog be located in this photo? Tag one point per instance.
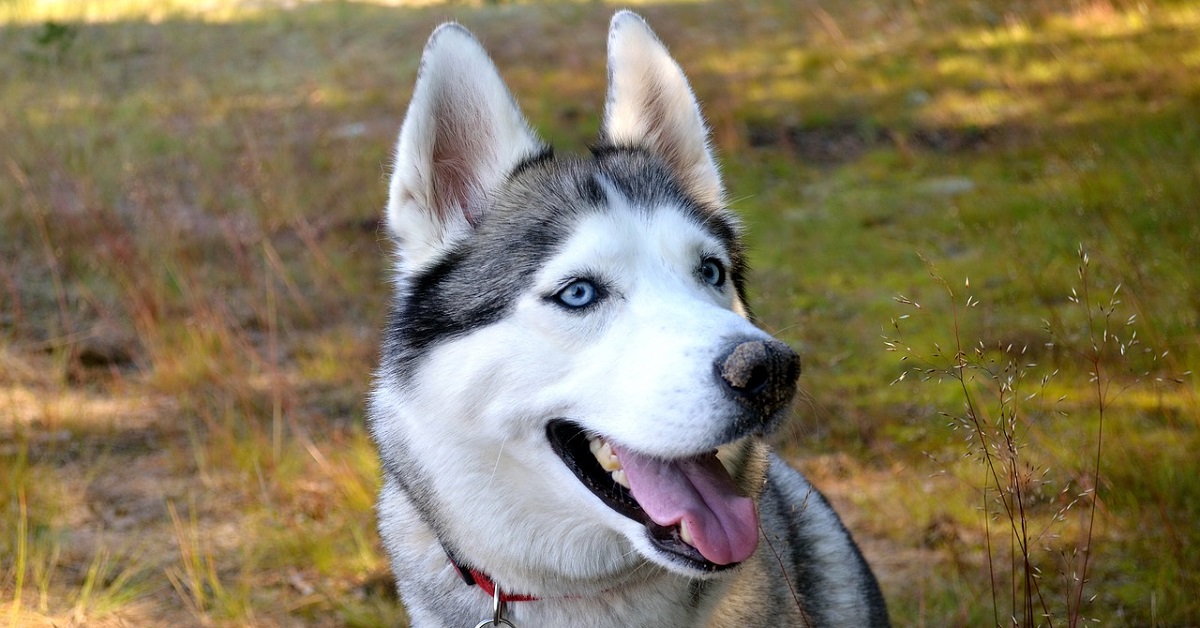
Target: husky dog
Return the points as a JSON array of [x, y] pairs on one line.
[[571, 401]]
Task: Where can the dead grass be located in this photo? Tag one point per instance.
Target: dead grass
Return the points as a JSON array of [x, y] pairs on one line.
[[191, 284]]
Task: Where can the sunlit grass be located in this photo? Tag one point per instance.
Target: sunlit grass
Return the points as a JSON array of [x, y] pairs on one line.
[[33, 11], [153, 11]]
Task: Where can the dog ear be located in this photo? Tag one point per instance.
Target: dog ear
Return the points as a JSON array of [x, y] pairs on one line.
[[461, 137], [651, 105]]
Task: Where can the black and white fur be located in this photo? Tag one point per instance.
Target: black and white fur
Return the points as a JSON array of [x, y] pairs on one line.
[[482, 356]]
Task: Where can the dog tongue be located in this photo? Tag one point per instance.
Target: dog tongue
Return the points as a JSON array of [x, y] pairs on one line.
[[723, 523]]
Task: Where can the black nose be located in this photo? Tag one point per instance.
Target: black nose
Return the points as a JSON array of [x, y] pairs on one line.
[[761, 374]]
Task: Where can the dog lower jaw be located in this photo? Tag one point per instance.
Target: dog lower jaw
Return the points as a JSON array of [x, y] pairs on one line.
[[595, 464]]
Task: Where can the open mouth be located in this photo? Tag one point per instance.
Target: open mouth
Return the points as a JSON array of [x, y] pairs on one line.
[[690, 506]]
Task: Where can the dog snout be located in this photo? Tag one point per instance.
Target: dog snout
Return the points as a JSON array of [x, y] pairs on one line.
[[761, 374]]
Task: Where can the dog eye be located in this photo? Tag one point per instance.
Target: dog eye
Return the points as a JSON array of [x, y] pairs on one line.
[[578, 294], [712, 271]]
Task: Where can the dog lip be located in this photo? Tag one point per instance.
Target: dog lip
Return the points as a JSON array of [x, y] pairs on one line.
[[570, 442]]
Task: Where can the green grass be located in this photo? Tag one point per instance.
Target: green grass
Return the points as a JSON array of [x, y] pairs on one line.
[[192, 280]]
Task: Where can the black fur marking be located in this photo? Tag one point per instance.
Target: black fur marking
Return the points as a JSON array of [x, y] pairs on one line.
[[462, 291], [795, 509], [589, 188], [600, 151], [546, 154], [801, 555]]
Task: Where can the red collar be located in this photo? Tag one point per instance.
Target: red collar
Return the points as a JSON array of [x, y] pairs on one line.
[[473, 577]]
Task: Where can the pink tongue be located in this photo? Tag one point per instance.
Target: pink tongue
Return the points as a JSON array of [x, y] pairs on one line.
[[723, 523]]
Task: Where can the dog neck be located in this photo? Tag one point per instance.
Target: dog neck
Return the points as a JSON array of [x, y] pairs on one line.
[[644, 596], [474, 577]]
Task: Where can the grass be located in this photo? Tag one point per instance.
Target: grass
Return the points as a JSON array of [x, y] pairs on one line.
[[191, 284]]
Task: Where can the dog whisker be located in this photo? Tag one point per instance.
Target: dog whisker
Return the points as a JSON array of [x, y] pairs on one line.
[[499, 453]]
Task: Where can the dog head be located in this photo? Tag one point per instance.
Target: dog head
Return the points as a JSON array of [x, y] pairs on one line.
[[569, 356]]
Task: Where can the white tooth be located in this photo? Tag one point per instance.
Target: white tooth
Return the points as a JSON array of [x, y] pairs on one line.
[[685, 535], [594, 444], [608, 460], [619, 477]]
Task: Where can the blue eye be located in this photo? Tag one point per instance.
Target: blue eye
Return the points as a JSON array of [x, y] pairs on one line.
[[712, 271], [579, 293]]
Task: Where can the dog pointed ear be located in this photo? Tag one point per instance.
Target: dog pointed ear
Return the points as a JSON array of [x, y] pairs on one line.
[[651, 105], [462, 135]]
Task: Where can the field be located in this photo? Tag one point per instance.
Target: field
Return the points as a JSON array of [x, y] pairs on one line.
[[979, 222]]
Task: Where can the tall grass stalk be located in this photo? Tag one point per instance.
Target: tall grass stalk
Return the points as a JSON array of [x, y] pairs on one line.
[[273, 369], [1004, 437], [1074, 611], [199, 584], [22, 555], [39, 212]]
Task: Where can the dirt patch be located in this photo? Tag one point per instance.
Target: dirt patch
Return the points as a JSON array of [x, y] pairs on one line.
[[868, 500]]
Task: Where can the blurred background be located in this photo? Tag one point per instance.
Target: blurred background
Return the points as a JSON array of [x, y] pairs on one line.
[[978, 221]]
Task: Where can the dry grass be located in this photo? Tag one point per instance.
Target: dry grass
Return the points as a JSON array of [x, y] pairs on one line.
[[191, 283]]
